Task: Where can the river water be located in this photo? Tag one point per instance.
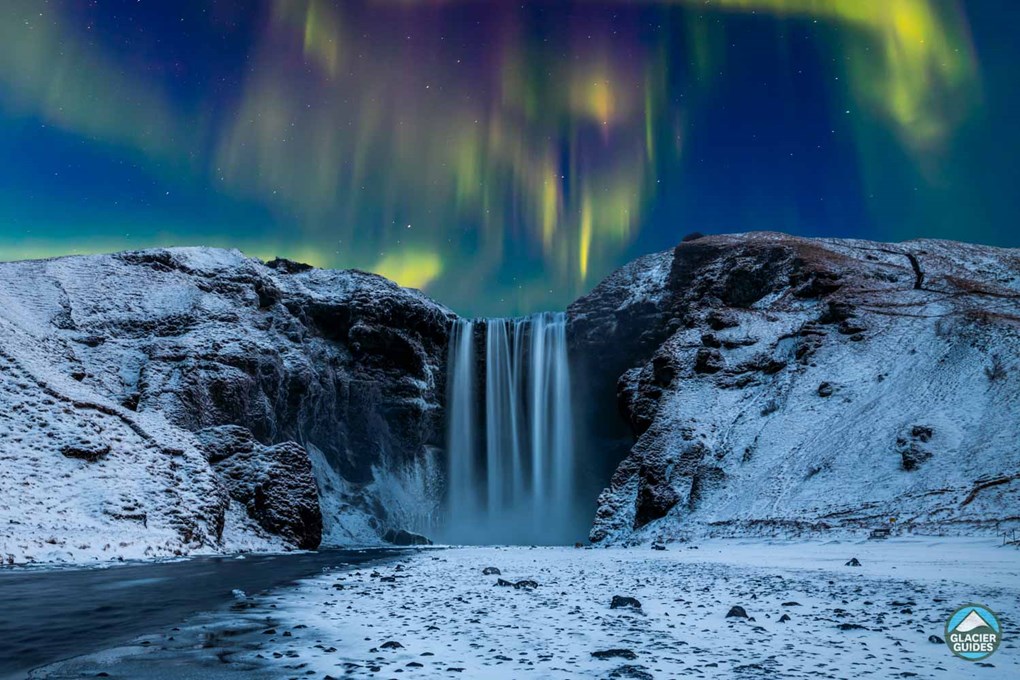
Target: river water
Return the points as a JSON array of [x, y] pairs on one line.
[[54, 614]]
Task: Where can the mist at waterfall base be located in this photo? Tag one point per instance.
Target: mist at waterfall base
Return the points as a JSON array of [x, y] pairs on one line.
[[511, 434]]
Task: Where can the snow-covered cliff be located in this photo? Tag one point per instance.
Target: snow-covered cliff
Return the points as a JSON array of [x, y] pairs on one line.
[[777, 385], [171, 401], [176, 401]]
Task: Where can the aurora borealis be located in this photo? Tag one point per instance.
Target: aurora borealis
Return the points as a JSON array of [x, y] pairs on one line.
[[503, 156]]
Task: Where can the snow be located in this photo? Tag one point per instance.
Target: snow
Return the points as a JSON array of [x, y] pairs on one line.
[[445, 614], [242, 534], [60, 508], [550, 632], [342, 524], [645, 278], [109, 354]]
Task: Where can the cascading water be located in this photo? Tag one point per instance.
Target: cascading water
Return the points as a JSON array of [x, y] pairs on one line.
[[461, 421], [511, 443]]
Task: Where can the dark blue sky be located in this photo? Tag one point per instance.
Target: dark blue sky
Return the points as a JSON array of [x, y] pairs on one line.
[[502, 156]]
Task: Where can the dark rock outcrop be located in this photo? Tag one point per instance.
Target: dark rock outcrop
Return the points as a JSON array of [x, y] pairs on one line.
[[914, 446], [274, 483], [84, 449]]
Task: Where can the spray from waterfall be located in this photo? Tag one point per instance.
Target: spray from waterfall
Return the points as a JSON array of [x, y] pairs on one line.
[[510, 433]]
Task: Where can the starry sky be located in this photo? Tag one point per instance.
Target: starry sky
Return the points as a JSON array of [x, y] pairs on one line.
[[502, 156]]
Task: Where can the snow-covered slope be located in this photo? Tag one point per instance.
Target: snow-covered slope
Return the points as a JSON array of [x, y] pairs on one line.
[[118, 371], [806, 385]]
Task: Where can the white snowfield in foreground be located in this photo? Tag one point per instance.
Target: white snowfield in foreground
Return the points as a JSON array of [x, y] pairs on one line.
[[449, 618]]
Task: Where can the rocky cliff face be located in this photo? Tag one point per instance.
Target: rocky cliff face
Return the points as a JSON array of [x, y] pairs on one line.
[[119, 373], [776, 385]]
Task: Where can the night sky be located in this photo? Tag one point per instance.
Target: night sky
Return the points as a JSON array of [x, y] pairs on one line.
[[502, 156]]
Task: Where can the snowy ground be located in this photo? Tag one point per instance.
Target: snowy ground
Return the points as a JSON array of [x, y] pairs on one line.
[[446, 617]]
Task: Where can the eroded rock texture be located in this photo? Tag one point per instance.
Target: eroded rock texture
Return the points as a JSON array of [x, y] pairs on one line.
[[110, 365], [274, 483], [772, 384]]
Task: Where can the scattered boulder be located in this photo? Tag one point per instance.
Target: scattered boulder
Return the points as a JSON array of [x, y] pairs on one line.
[[854, 562], [851, 626], [85, 450], [491, 571], [736, 611], [615, 654], [621, 602], [391, 644], [825, 390], [525, 584], [784, 618], [936, 640]]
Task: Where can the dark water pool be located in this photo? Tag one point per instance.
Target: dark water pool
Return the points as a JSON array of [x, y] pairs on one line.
[[49, 615]]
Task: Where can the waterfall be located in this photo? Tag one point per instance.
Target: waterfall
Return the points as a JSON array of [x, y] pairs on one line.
[[461, 420], [511, 443]]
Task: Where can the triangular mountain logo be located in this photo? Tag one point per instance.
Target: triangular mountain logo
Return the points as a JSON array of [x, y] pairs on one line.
[[971, 622]]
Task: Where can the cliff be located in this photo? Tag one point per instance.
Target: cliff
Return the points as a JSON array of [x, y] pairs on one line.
[[774, 385], [171, 401]]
